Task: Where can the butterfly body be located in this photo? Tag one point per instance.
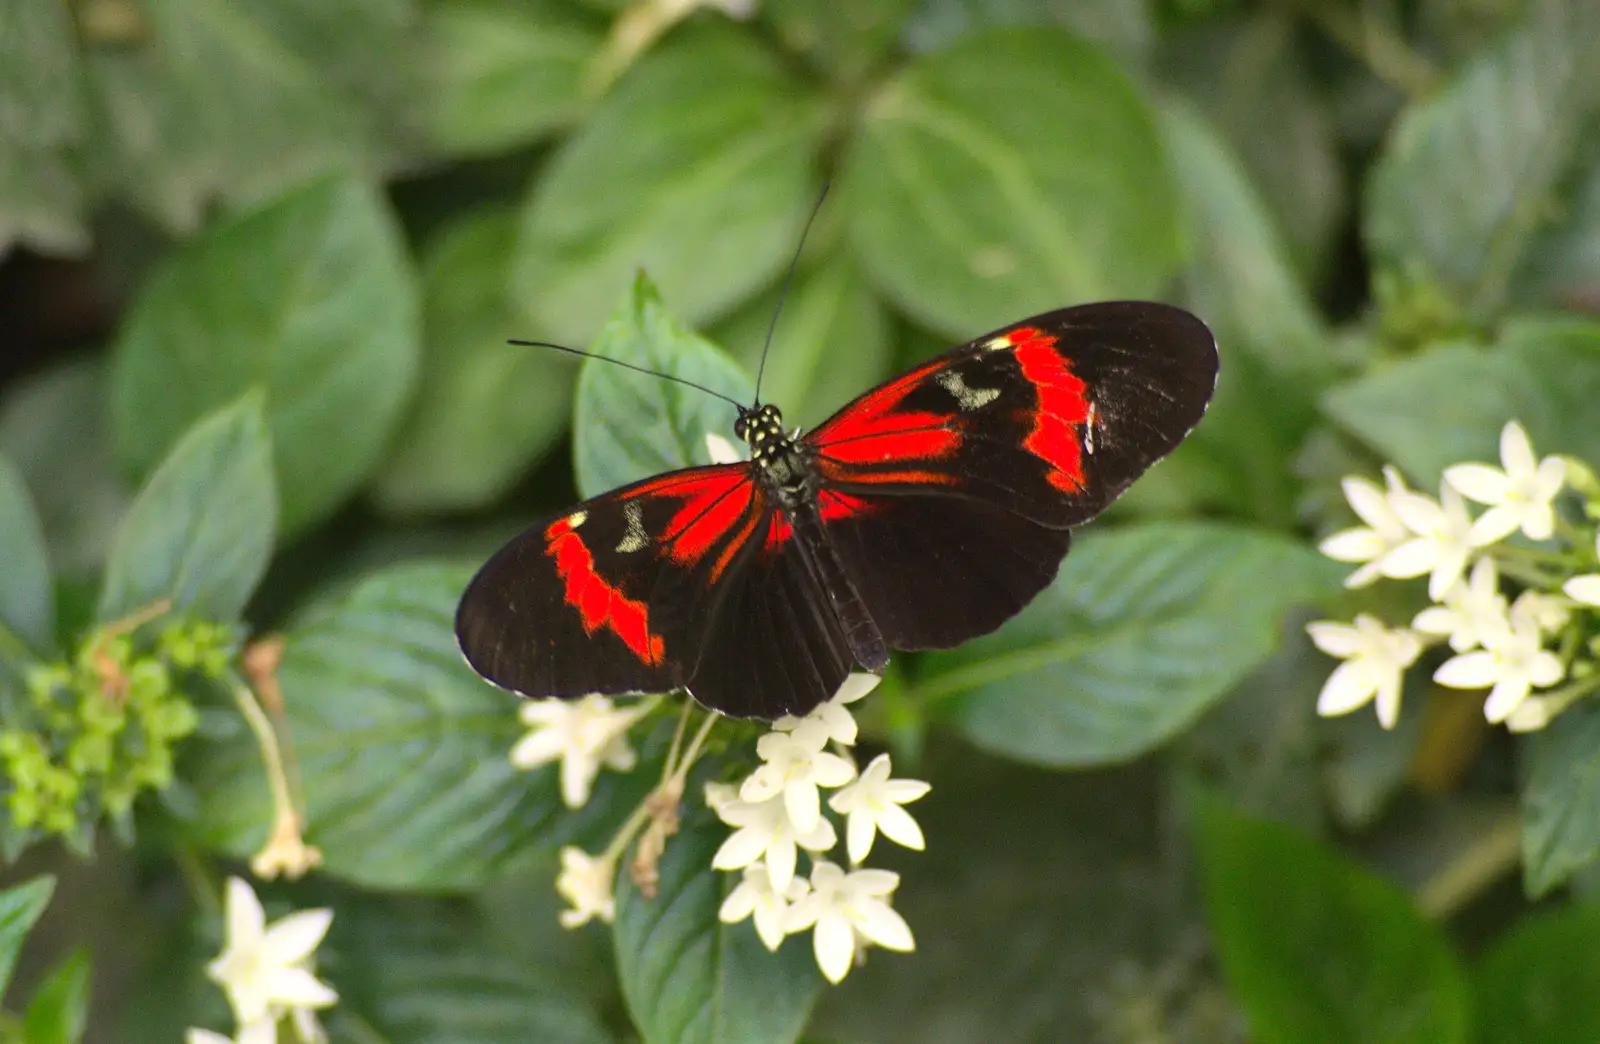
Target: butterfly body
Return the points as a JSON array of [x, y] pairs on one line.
[[926, 512]]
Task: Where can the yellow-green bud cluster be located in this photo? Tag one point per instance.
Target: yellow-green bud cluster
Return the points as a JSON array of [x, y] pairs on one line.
[[96, 731]]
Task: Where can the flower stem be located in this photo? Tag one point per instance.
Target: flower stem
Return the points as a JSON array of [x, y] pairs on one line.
[[1488, 857]]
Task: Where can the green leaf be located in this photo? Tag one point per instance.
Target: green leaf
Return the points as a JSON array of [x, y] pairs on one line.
[[20, 906], [1123, 26], [417, 971], [1448, 405], [403, 750], [27, 599], [59, 1010], [1537, 982], [1561, 799], [1468, 175], [41, 118], [1142, 630], [690, 979], [846, 40], [697, 167], [1318, 949], [831, 344], [1241, 280], [200, 532], [312, 298], [1562, 267], [509, 71], [53, 424], [666, 423], [485, 409], [970, 210]]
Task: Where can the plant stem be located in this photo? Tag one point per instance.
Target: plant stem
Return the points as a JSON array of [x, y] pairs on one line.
[[1487, 858], [1374, 43]]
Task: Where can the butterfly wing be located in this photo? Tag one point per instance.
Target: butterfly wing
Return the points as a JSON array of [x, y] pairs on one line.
[[960, 479]]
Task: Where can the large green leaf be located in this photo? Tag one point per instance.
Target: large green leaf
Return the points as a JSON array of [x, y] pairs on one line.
[[831, 344], [1537, 982], [413, 971], [1143, 629], [485, 409], [1561, 799], [27, 599], [58, 1012], [53, 424], [20, 906], [402, 749], [1562, 266], [697, 168], [970, 209], [41, 118], [509, 71], [201, 530], [1317, 948], [1468, 175], [690, 979], [629, 425], [1448, 405], [312, 298]]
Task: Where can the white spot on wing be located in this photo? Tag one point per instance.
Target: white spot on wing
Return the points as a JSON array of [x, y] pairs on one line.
[[577, 518], [1088, 431], [635, 538], [995, 344], [967, 398]]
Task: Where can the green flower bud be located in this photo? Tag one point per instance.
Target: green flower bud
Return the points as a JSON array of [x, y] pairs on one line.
[[90, 754], [102, 714], [148, 682]]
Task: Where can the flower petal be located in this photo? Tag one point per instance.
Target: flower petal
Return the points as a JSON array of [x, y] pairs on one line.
[[1495, 524], [1504, 698], [1516, 450], [1335, 639], [804, 806], [1585, 589], [856, 684], [878, 921], [740, 903], [1412, 558], [1354, 545], [781, 858], [904, 791], [1368, 500], [1479, 482], [860, 829], [538, 748], [1473, 670], [297, 987], [834, 943], [898, 826], [770, 925], [245, 919], [1347, 688], [295, 936], [743, 847], [262, 1031]]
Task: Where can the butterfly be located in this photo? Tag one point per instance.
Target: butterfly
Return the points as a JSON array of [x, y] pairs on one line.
[[928, 511]]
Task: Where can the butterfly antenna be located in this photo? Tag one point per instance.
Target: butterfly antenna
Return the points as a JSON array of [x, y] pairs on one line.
[[783, 295], [630, 366]]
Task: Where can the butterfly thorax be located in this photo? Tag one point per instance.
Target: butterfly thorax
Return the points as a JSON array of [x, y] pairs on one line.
[[777, 454]]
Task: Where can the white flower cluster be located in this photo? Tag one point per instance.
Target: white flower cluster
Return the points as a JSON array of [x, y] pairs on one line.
[[1500, 644], [266, 971]]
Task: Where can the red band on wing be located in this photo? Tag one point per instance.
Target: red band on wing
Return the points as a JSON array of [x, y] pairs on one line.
[[871, 432], [1062, 405], [831, 506], [712, 506], [599, 604]]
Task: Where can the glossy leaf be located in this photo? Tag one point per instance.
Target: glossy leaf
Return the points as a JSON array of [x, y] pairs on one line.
[[1142, 630], [1449, 404], [58, 1012], [311, 298], [696, 168], [201, 530], [27, 598], [1317, 948], [970, 210], [403, 750], [630, 425], [509, 72], [485, 409], [1537, 981], [690, 979], [1561, 799], [20, 907]]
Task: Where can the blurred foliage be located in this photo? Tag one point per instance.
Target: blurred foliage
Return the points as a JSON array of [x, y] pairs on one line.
[[316, 224]]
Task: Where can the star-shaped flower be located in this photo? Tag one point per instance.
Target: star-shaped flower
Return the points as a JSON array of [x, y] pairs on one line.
[[1470, 609], [796, 765], [1375, 661], [756, 896], [1520, 494], [1383, 532], [266, 970], [849, 910], [1511, 664], [585, 881], [872, 804], [838, 723], [583, 734], [1586, 588], [1444, 539], [767, 832]]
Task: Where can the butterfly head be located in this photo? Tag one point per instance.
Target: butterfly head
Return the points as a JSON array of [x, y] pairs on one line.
[[762, 428]]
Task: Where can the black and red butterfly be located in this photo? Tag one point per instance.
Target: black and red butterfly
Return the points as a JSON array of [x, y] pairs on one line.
[[926, 512]]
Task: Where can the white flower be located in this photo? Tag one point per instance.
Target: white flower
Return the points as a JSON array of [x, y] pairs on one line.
[[1511, 663], [1550, 612], [1533, 714], [1585, 589], [847, 911], [1470, 608], [585, 882], [720, 795], [757, 896], [796, 765], [838, 722], [264, 1031], [1383, 533], [266, 970], [1375, 658], [872, 803], [766, 831], [1520, 495], [1443, 543], [583, 734], [720, 450]]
